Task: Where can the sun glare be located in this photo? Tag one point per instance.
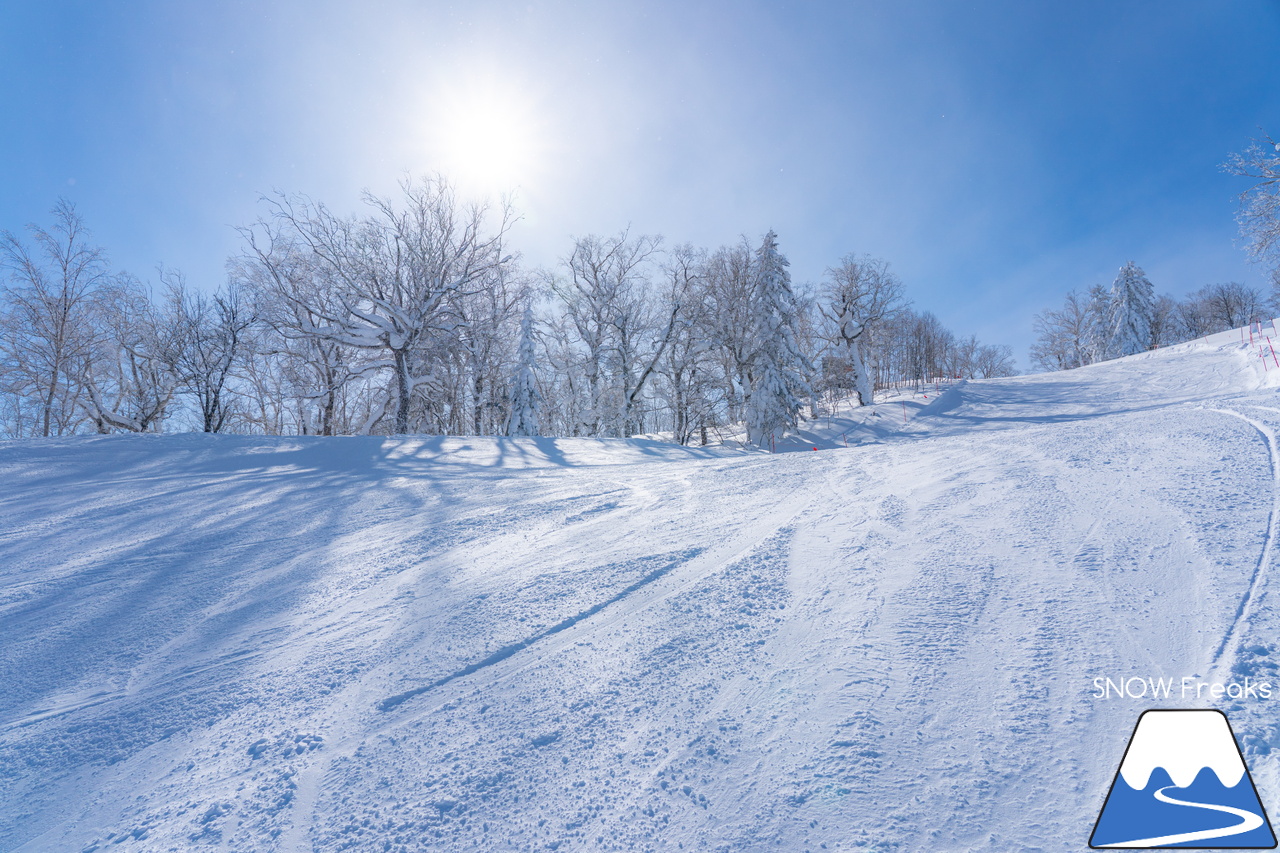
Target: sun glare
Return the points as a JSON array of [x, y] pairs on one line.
[[487, 137]]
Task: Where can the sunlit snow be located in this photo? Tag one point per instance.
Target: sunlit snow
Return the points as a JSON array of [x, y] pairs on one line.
[[297, 644]]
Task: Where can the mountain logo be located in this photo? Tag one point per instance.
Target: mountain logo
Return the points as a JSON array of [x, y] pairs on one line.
[[1183, 783]]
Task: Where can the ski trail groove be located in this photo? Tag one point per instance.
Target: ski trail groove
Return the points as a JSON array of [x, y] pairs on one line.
[[310, 780], [792, 510], [1231, 639], [718, 558], [673, 560]]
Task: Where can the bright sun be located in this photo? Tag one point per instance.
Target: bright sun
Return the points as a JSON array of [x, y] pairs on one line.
[[487, 136]]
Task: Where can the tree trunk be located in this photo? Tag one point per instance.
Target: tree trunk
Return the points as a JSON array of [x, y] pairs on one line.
[[402, 392], [48, 404], [680, 426]]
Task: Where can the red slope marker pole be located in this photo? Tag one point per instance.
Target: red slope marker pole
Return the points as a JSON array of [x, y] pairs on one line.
[[1273, 354]]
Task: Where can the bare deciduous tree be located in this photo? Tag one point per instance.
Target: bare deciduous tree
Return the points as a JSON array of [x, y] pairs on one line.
[[486, 334], [47, 317], [605, 297], [214, 333], [1231, 304], [132, 369], [684, 362], [729, 328], [1259, 215], [295, 297], [858, 294], [1164, 321], [396, 270]]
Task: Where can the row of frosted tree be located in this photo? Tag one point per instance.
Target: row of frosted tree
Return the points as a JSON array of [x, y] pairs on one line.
[[417, 317], [1129, 317]]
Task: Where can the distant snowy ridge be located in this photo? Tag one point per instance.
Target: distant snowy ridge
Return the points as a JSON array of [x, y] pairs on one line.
[[1183, 743]]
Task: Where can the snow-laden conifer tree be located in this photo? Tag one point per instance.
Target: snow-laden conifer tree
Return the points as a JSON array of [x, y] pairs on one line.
[[1132, 304], [1099, 325], [777, 371], [525, 400]]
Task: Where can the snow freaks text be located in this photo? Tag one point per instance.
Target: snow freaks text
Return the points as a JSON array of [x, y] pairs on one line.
[[1187, 687]]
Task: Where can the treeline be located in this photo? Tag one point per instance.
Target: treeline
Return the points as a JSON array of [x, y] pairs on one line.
[[417, 317], [1101, 324], [1128, 318]]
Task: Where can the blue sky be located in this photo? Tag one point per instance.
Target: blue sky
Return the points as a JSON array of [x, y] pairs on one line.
[[997, 154]]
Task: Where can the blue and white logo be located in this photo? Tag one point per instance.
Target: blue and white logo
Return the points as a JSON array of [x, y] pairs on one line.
[[1183, 783]]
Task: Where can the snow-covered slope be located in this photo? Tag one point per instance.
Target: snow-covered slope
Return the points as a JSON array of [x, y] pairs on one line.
[[223, 643]]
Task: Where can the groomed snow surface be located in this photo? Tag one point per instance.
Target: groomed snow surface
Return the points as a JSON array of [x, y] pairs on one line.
[[251, 644]]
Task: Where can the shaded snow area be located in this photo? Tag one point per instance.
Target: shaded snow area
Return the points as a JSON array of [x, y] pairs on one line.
[[252, 644]]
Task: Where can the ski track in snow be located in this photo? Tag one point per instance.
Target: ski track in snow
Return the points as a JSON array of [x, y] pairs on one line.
[[1227, 650], [483, 644], [520, 658], [506, 652]]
